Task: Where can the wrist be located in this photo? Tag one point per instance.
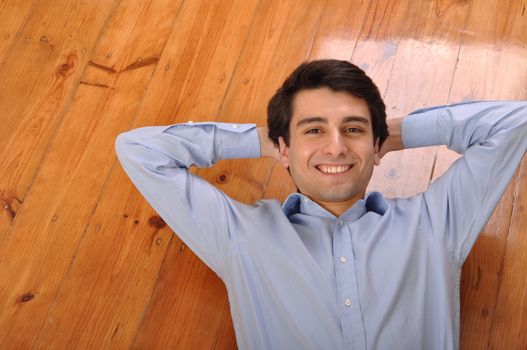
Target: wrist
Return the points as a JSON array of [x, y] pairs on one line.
[[267, 147], [394, 141]]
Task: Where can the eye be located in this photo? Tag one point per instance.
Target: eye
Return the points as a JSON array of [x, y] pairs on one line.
[[313, 131], [353, 130]]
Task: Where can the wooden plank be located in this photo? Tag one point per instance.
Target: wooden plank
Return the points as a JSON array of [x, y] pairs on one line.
[[493, 42], [418, 80], [481, 277], [377, 45], [226, 339], [101, 300], [281, 39], [340, 26], [12, 17], [44, 237], [52, 51], [254, 80], [510, 321], [188, 307]]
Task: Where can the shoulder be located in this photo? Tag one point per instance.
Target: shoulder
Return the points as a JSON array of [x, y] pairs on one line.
[[260, 211]]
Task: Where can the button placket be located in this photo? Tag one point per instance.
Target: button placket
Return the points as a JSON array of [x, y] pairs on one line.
[[347, 291]]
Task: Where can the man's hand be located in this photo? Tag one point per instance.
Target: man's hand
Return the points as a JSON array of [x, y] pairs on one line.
[[267, 147], [394, 141]]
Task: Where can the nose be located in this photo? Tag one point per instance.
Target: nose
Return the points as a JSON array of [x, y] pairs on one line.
[[335, 145]]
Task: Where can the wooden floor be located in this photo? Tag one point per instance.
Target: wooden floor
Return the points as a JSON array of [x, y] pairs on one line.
[[85, 263]]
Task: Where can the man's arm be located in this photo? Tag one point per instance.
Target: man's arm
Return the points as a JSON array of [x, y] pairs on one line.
[[267, 147], [394, 141], [492, 136], [157, 160]]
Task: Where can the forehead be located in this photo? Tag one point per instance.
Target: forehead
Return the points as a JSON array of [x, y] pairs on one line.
[[334, 106]]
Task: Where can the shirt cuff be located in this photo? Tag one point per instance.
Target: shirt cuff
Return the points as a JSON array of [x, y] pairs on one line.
[[421, 129], [238, 141]]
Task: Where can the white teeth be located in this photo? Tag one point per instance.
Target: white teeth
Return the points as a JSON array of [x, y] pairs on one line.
[[334, 169]]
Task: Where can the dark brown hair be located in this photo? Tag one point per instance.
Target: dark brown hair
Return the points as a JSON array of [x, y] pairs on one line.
[[334, 74]]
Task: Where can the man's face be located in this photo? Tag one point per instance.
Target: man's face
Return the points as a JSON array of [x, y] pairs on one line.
[[331, 150]]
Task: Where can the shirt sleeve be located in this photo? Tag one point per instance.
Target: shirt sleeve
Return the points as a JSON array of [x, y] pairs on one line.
[[492, 136], [157, 160]]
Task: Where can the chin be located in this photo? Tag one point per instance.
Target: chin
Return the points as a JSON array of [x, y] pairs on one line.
[[337, 197]]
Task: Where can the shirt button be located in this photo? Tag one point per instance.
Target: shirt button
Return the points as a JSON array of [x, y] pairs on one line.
[[341, 222], [347, 302], [235, 126], [343, 259], [306, 200]]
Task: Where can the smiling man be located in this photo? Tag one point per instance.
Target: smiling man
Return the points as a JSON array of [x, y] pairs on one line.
[[334, 267], [331, 149]]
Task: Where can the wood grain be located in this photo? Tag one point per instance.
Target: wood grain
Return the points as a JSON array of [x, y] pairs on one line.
[[510, 320], [12, 17], [87, 263], [57, 211], [108, 316], [52, 51]]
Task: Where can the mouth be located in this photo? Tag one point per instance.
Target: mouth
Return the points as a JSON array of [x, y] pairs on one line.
[[334, 169]]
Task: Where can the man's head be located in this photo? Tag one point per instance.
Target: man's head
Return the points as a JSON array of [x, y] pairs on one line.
[[334, 74], [328, 120]]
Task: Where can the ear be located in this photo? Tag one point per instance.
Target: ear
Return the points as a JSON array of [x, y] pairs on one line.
[[284, 152], [377, 150]]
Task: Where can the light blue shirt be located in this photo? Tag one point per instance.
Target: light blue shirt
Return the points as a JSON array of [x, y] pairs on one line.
[[383, 275]]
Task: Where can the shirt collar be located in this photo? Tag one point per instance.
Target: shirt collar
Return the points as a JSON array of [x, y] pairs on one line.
[[298, 203]]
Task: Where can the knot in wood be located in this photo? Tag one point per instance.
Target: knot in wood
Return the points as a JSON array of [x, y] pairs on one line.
[[157, 222], [26, 297], [11, 205], [66, 69], [222, 178]]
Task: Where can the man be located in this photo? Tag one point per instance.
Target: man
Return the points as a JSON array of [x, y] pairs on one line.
[[334, 268]]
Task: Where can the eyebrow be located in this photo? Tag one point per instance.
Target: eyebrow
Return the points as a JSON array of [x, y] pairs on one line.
[[324, 120]]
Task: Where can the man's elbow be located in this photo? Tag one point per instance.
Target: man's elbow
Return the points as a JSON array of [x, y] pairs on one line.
[[122, 147]]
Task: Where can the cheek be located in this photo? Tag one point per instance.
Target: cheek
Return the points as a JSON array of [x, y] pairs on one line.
[[368, 154], [300, 155]]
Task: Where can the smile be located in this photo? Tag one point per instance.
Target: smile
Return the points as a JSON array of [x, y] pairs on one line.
[[333, 169]]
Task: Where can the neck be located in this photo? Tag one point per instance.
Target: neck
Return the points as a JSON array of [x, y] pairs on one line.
[[338, 208]]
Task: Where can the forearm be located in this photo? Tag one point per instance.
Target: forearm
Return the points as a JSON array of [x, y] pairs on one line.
[[183, 145], [464, 125]]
